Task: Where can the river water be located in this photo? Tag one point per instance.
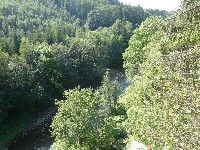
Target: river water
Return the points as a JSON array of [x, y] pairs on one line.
[[38, 136]]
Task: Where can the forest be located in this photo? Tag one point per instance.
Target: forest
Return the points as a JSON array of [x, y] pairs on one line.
[[57, 52]]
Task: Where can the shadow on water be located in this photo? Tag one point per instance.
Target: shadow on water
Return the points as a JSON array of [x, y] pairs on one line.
[[37, 139], [37, 136]]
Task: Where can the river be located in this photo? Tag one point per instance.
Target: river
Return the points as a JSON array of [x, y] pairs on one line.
[[38, 135]]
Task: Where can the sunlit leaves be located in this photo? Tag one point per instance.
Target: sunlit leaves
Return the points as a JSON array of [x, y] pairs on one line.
[[82, 120], [163, 101], [135, 53]]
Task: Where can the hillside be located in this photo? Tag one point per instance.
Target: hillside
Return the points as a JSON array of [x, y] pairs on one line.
[[51, 47], [163, 64], [48, 46]]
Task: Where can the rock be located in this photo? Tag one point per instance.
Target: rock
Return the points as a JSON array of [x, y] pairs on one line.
[[135, 145]]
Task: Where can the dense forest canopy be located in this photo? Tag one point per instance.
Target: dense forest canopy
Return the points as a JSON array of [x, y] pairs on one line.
[[49, 46], [163, 64]]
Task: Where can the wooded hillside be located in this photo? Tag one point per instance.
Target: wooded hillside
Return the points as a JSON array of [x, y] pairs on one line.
[[163, 64], [51, 47]]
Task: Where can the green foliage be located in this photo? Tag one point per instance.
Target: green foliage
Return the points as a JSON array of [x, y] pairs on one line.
[[79, 119], [120, 32], [47, 46], [133, 14], [103, 16], [162, 102], [15, 77], [135, 53], [4, 60], [156, 12], [85, 119], [52, 20]]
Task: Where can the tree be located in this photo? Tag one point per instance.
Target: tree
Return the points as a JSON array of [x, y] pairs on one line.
[[4, 61], [133, 14], [103, 16], [162, 101], [82, 121], [120, 33], [135, 53]]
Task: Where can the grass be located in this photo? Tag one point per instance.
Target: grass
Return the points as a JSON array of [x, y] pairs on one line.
[[15, 124]]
